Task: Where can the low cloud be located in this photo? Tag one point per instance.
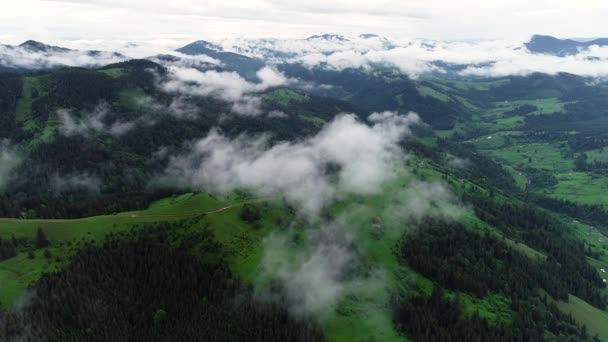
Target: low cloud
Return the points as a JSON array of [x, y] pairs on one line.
[[180, 107], [9, 160], [277, 114], [226, 86], [17, 57], [315, 280], [82, 182], [92, 122], [346, 157], [458, 163], [487, 58], [421, 199]]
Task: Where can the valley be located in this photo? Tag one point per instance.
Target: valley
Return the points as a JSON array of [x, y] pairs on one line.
[[179, 197]]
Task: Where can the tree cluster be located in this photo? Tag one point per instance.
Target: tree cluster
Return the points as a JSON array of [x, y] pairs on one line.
[[152, 288]]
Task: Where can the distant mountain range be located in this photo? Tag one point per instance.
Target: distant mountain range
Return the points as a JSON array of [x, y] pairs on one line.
[[34, 55], [247, 56], [561, 47], [230, 60], [328, 36], [35, 46]]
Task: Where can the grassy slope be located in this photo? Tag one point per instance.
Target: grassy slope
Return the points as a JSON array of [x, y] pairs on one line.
[[284, 97], [492, 130], [498, 137], [535, 155], [244, 251], [361, 313], [43, 131], [594, 319]]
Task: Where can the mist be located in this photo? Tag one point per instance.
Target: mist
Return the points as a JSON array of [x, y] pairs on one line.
[[346, 157], [75, 182], [92, 122], [226, 86], [18, 57], [9, 160], [330, 267], [415, 57]]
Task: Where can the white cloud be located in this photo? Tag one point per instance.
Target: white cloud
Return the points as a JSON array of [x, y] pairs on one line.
[[422, 199], [226, 86], [75, 182], [484, 58], [315, 280], [92, 122], [277, 114], [458, 163], [17, 57], [362, 157]]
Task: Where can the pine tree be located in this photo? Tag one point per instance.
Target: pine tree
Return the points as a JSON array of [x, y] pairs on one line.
[[41, 240]]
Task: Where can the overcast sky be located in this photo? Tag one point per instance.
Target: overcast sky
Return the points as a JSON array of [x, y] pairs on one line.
[[177, 21]]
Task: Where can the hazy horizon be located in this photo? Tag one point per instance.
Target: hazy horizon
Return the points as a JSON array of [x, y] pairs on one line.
[[176, 22]]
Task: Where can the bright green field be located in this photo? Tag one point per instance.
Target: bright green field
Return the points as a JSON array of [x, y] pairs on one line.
[[535, 155], [545, 105], [470, 84], [284, 97], [598, 155], [428, 91], [241, 240], [581, 187]]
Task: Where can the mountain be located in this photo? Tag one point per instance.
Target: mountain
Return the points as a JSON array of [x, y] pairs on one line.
[[244, 65], [35, 46], [368, 35], [34, 55], [329, 37], [560, 47]]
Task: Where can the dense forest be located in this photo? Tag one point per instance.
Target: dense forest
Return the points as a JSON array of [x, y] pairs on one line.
[[464, 260], [541, 231], [437, 318], [161, 282]]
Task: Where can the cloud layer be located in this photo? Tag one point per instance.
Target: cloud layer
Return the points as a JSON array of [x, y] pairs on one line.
[[488, 58], [17, 57], [485, 58]]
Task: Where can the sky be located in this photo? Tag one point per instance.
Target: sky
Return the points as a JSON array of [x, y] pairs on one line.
[[174, 22]]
